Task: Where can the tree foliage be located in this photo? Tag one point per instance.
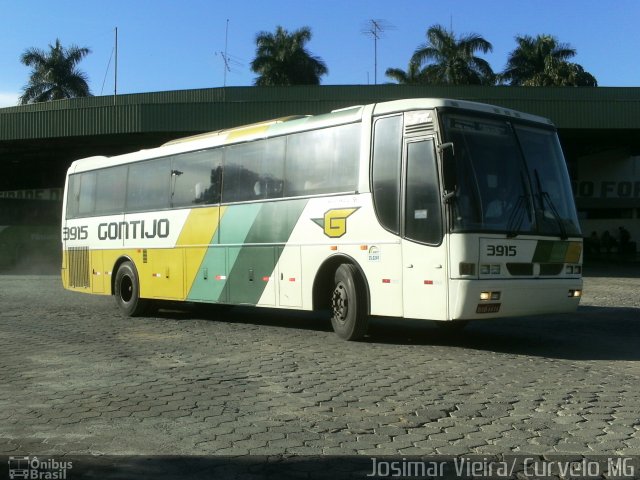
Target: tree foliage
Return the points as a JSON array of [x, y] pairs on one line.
[[54, 74], [282, 59], [543, 61], [453, 61], [414, 75]]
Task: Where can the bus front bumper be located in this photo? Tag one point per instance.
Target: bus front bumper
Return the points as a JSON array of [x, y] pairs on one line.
[[478, 299]]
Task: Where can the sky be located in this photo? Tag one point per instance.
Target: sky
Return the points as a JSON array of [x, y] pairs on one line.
[[177, 45]]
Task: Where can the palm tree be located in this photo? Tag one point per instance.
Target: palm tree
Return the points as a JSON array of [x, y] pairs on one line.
[[543, 61], [282, 59], [412, 76], [575, 76], [54, 74], [450, 60]]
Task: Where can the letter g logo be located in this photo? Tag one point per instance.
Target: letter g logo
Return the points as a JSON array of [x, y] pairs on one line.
[[334, 222]]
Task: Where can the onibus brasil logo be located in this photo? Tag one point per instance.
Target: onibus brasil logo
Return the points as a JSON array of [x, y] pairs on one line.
[[33, 468], [334, 222]]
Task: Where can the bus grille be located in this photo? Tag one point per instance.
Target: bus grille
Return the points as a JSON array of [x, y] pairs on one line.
[[78, 266], [551, 268], [520, 269]]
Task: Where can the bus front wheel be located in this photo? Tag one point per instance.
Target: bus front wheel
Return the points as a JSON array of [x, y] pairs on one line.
[[127, 291], [348, 310]]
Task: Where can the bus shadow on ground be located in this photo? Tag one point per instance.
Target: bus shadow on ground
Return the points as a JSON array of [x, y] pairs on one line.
[[592, 333], [247, 315]]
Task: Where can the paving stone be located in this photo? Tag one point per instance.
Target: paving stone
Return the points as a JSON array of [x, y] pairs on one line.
[[274, 383]]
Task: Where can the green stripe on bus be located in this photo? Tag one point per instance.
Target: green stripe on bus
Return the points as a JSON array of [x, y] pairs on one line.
[[238, 269], [553, 251], [550, 251], [255, 261], [212, 276]]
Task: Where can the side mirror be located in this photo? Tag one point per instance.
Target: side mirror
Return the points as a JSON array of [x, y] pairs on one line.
[[449, 170]]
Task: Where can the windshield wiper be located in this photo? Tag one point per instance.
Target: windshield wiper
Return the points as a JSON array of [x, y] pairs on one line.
[[554, 210], [517, 215], [545, 196], [516, 218]]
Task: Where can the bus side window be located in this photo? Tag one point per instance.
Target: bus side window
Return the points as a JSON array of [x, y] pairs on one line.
[[254, 170], [240, 172], [73, 196], [303, 171], [110, 190], [385, 175], [271, 171], [148, 185], [323, 161], [87, 196], [195, 178]]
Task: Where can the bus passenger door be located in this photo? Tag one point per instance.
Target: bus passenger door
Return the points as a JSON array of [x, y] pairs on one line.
[[423, 246]]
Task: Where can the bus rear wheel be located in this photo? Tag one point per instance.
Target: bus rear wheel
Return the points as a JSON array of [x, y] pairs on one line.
[[348, 310], [127, 291]]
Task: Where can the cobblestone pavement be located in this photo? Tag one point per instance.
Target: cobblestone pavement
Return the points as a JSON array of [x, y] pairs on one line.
[[77, 378]]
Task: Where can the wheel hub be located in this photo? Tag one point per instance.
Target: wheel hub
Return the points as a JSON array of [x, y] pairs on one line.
[[340, 303], [126, 289]]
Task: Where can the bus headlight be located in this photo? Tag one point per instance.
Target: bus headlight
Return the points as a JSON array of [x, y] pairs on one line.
[[489, 295], [575, 293], [485, 295]]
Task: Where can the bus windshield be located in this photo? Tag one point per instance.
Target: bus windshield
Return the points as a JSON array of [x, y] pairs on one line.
[[510, 178]]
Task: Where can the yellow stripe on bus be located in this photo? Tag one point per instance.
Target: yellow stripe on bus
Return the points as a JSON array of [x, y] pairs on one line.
[[243, 132], [197, 234], [574, 251]]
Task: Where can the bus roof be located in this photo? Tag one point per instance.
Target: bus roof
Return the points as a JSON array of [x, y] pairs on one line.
[[292, 124], [429, 103]]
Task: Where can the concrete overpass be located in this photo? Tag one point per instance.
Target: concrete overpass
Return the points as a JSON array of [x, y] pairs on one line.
[[599, 129]]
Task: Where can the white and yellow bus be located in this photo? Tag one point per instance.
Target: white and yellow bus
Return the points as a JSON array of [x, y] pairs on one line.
[[431, 209]]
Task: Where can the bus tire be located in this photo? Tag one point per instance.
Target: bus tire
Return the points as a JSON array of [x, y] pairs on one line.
[[127, 291], [348, 304]]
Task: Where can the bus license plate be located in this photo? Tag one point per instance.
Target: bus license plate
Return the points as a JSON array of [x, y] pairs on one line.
[[488, 308]]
